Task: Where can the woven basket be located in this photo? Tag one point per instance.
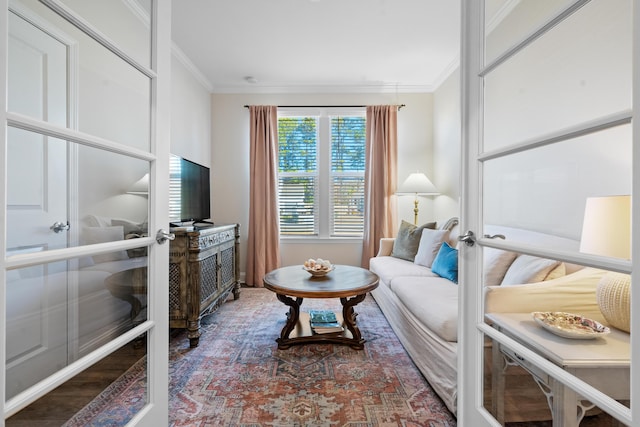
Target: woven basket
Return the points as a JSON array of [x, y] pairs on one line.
[[614, 300]]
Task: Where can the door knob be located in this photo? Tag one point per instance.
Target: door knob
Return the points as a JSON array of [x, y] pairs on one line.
[[468, 238], [59, 227], [163, 235]]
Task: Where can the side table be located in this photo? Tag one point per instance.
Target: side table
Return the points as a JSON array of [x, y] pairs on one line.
[[603, 363]]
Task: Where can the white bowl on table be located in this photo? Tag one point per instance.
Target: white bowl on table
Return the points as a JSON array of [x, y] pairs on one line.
[[319, 272]]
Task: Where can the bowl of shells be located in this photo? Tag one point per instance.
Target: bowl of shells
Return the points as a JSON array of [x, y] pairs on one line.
[[318, 267]]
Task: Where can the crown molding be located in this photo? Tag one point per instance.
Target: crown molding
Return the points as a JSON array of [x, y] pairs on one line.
[[501, 14], [138, 11], [190, 66], [453, 66], [321, 88]]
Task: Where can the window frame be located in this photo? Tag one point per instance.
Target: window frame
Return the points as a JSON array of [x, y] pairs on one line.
[[324, 175]]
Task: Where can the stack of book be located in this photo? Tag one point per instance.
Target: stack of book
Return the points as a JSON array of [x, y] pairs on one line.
[[324, 322]]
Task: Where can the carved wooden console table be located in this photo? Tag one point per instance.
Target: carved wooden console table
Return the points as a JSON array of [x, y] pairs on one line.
[[203, 271]]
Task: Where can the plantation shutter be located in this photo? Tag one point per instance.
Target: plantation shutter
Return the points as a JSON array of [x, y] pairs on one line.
[[298, 175], [175, 189], [347, 175]]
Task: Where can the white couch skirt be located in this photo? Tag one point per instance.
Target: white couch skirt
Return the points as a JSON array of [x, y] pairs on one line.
[[435, 358]]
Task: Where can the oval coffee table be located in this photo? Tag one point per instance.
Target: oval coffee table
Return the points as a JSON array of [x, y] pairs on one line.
[[348, 283]]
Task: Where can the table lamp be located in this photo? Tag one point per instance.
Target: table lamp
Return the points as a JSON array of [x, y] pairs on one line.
[[140, 187], [419, 185], [606, 231]]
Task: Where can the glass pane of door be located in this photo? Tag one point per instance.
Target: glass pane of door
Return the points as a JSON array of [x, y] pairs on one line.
[[556, 165], [110, 191], [107, 97], [129, 26], [113, 390], [508, 23], [61, 311], [555, 83]]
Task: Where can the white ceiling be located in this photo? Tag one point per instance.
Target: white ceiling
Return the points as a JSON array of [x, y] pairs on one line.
[[319, 45]]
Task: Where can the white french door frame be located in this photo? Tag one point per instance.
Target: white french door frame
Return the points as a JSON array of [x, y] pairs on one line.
[[473, 329], [156, 327]]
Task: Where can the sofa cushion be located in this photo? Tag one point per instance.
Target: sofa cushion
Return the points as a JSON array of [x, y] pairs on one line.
[[388, 267], [433, 301], [407, 241], [429, 246], [446, 263], [528, 269]]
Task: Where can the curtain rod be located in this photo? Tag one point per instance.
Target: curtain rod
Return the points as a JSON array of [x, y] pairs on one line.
[[325, 106]]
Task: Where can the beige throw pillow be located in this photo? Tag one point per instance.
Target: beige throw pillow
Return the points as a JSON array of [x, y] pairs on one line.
[[528, 269], [429, 246], [405, 245]]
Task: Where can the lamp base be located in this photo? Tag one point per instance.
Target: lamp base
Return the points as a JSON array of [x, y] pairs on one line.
[[614, 300]]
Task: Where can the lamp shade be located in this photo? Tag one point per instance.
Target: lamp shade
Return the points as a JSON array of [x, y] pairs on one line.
[[606, 229], [140, 187], [417, 183]]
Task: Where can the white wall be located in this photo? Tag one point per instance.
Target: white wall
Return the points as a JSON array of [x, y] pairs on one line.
[[230, 161], [446, 147], [190, 115]]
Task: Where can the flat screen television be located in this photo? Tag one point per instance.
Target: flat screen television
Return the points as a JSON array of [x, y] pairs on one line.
[[189, 192]]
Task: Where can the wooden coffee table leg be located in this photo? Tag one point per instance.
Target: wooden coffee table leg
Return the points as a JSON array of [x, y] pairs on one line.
[[349, 316], [292, 319]]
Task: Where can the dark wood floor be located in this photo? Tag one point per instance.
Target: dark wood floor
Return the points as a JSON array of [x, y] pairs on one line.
[[58, 406]]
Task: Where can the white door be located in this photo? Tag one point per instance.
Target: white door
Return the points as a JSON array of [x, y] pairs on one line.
[[547, 109], [73, 167], [36, 198]]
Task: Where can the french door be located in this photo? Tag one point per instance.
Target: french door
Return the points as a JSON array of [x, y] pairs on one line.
[[87, 85], [548, 90]]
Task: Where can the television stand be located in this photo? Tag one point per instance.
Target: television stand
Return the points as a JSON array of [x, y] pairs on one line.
[[196, 225], [203, 271], [200, 225]]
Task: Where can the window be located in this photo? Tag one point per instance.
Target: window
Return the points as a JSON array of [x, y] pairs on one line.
[[321, 161]]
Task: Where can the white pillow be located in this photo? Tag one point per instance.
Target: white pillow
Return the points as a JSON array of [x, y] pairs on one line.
[[430, 243], [496, 264], [92, 220], [528, 269], [93, 235]]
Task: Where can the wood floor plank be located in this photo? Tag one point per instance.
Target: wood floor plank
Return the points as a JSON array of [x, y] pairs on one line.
[[58, 406]]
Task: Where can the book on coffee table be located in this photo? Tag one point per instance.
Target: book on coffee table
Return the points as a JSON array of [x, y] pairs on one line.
[[324, 322]]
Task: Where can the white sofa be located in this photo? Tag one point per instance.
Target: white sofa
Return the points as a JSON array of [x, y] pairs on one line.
[[422, 307]]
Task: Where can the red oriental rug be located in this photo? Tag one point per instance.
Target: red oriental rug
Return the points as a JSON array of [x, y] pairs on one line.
[[238, 377]]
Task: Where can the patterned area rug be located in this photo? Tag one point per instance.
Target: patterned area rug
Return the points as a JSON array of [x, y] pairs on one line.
[[238, 377]]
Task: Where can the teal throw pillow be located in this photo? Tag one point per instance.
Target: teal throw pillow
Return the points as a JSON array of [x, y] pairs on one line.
[[405, 245], [446, 263]]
